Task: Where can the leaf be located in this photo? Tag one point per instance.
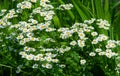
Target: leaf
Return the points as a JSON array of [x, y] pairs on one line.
[[93, 7], [106, 9], [82, 13], [116, 25], [75, 56], [99, 9], [56, 21], [115, 5]]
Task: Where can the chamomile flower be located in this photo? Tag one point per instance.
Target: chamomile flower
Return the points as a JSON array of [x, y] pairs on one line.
[[82, 62], [34, 1], [23, 54], [24, 5], [43, 13], [50, 29], [118, 42], [26, 48], [62, 65], [66, 34], [49, 59], [101, 53], [22, 42], [48, 66], [81, 43], [103, 37], [55, 60], [36, 58], [26, 40], [30, 57], [81, 35], [90, 21], [65, 6], [103, 24], [95, 41], [94, 33], [73, 43], [92, 54], [35, 66], [40, 55], [47, 18], [20, 36], [41, 26], [32, 49], [33, 21], [109, 55], [29, 34], [43, 65], [98, 50], [25, 30]]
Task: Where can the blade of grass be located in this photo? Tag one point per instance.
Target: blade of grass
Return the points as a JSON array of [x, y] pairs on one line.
[[6, 3], [80, 11], [106, 9], [99, 9], [93, 7], [115, 5], [86, 10], [116, 24]]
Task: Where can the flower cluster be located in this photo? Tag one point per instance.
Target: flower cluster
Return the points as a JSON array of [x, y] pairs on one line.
[[86, 35], [100, 38], [43, 44], [24, 5], [65, 6], [103, 24], [111, 44], [4, 21], [30, 32], [2, 12]]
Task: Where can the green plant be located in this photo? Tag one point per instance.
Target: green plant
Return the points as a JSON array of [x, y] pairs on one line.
[[41, 37]]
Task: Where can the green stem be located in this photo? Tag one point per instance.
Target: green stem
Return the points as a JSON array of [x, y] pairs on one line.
[[6, 66], [11, 72]]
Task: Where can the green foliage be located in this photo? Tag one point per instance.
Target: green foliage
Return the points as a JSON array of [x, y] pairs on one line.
[[10, 60]]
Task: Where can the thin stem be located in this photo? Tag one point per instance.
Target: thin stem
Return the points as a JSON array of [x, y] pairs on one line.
[[6, 66], [11, 72]]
